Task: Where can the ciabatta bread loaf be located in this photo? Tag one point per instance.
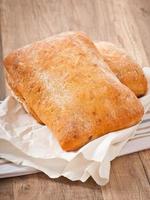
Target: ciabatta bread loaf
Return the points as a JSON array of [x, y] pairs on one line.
[[124, 66], [66, 85]]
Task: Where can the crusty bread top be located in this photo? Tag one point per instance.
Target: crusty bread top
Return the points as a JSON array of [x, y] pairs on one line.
[[124, 66]]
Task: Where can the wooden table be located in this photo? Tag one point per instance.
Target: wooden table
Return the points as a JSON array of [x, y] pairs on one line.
[[124, 22]]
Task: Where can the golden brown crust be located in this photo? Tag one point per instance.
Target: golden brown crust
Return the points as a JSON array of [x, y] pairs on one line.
[[17, 95], [124, 67], [71, 90]]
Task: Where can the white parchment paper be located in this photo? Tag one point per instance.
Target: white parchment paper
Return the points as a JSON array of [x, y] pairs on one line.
[[24, 141]]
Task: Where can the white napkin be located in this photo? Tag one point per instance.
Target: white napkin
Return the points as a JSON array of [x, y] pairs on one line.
[[24, 141]]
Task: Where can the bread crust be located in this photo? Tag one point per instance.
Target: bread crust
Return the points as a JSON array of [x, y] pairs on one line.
[[66, 85], [124, 66]]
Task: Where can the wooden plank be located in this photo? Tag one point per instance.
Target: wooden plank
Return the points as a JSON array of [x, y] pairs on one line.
[[127, 31], [128, 180], [40, 187], [39, 19], [2, 82], [145, 159], [141, 13], [6, 189], [125, 23]]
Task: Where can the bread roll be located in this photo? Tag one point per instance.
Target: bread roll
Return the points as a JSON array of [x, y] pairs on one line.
[[66, 85], [124, 67]]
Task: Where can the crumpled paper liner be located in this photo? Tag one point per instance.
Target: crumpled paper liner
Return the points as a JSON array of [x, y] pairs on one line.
[[24, 141]]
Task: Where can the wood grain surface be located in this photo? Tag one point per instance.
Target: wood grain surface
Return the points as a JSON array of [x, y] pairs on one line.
[[124, 22]]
